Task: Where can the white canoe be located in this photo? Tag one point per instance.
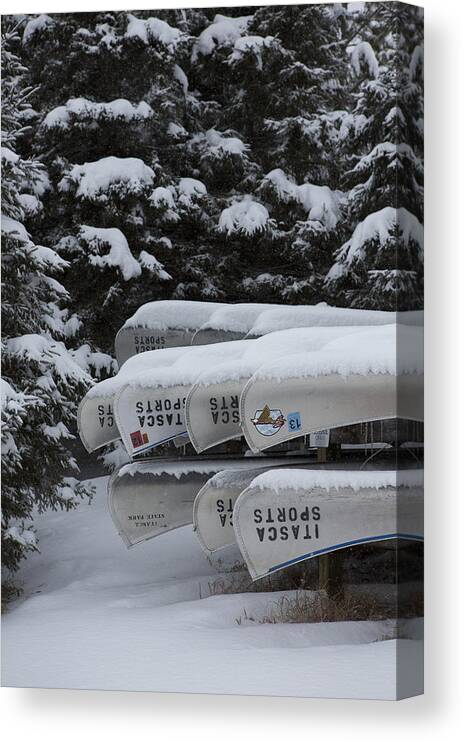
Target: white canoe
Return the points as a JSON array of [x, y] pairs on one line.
[[149, 408], [289, 515], [161, 324], [96, 420], [323, 315], [131, 341], [214, 504], [149, 498], [353, 379], [212, 405], [170, 323]]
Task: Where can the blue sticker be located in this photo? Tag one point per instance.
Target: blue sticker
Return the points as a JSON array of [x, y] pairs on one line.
[[294, 423]]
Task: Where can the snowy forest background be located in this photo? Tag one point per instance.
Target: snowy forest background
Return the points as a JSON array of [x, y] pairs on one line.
[[265, 154]]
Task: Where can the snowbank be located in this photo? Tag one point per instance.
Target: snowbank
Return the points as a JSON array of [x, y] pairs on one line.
[[85, 594]]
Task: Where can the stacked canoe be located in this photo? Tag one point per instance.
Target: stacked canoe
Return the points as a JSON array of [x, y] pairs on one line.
[[253, 385]]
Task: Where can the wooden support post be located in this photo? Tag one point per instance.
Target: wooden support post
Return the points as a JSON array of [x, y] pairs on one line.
[[331, 566], [331, 574], [331, 453]]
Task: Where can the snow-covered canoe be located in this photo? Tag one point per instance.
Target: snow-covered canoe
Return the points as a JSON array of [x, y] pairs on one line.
[[212, 405], [150, 498], [164, 324], [289, 515], [323, 315], [214, 504], [96, 421], [149, 408], [161, 324], [376, 374]]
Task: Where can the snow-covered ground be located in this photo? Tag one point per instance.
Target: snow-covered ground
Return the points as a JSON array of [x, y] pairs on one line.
[[95, 615]]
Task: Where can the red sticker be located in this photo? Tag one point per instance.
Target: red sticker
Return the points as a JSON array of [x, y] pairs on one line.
[[136, 439]]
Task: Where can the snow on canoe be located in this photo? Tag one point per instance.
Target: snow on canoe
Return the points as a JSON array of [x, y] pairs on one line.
[[289, 515], [230, 322], [164, 324], [149, 408], [214, 504], [212, 405], [376, 374], [323, 315], [149, 498], [96, 421], [161, 324]]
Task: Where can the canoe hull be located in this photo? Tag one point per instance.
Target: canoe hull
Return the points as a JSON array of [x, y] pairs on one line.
[[96, 422], [150, 416], [131, 341], [278, 528], [212, 413], [305, 405]]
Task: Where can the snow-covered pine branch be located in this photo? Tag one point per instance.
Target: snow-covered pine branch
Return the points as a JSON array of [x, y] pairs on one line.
[[381, 263], [42, 383]]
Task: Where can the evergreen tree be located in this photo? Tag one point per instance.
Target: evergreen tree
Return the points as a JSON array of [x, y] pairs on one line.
[[308, 114], [380, 266], [42, 379], [281, 70], [269, 154], [103, 153]]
